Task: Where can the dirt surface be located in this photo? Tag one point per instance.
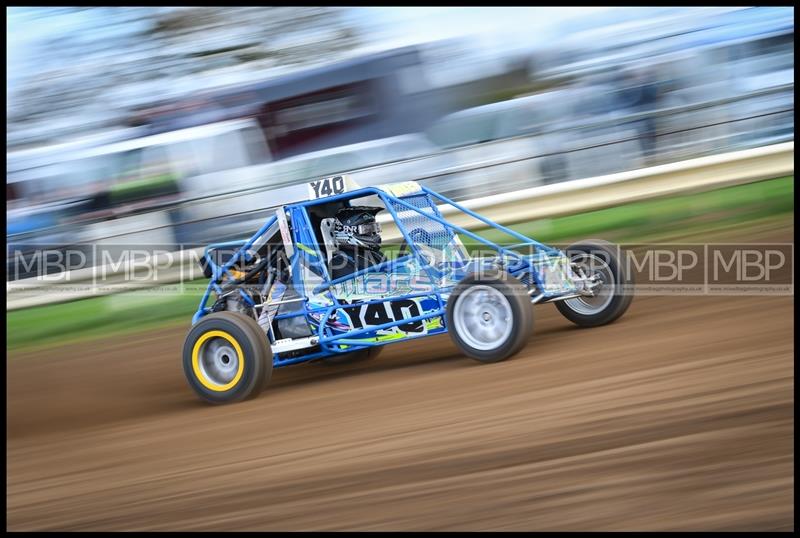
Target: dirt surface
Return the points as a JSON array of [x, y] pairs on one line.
[[677, 417]]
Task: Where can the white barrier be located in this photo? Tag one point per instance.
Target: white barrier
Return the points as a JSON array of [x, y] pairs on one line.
[[587, 194], [507, 208]]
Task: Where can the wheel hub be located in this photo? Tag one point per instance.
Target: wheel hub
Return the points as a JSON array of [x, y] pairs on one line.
[[218, 361], [483, 317], [598, 288]]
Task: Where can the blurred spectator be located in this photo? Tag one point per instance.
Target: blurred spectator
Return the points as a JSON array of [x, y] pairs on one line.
[[639, 93]]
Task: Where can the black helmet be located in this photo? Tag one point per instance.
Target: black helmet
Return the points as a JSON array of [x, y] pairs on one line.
[[356, 227]]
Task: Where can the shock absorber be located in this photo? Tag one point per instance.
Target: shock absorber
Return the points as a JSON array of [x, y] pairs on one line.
[[265, 319]]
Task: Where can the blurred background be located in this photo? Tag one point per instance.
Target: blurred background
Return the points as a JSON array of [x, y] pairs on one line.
[[191, 124]]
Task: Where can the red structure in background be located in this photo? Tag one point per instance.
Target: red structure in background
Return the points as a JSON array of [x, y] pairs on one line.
[[344, 103]]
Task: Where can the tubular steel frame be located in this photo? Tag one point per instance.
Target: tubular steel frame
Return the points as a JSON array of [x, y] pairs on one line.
[[328, 342]]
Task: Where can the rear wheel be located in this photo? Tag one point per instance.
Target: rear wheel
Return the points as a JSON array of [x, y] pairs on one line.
[[226, 358], [490, 317]]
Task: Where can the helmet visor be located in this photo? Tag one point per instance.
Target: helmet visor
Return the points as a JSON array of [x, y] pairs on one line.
[[369, 229]]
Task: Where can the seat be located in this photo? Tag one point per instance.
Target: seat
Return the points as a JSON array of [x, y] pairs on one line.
[[327, 230]]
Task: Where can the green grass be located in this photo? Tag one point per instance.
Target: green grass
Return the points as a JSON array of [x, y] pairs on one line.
[[634, 222], [100, 316], [647, 220]]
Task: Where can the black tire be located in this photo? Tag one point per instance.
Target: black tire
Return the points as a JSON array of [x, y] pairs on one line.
[[519, 303], [623, 291], [255, 357], [352, 357]]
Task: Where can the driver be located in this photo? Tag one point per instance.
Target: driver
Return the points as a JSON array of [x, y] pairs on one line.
[[358, 241]]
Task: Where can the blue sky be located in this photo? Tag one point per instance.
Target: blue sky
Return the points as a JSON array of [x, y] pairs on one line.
[[389, 24], [492, 27], [492, 30]]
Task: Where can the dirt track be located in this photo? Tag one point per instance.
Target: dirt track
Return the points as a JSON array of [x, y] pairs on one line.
[[679, 416]]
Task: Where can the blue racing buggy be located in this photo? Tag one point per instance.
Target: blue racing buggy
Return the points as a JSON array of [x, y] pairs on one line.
[[279, 299]]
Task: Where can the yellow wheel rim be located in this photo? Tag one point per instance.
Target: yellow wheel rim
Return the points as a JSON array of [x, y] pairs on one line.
[[199, 372]]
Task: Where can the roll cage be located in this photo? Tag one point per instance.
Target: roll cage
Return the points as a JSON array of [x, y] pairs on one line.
[[422, 228]]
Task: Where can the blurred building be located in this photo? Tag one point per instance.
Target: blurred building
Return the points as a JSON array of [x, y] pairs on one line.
[[686, 49], [374, 96]]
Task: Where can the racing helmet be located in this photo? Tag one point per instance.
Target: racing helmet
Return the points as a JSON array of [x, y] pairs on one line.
[[356, 227]]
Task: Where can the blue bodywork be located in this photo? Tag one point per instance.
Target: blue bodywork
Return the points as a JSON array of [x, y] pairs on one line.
[[402, 298]]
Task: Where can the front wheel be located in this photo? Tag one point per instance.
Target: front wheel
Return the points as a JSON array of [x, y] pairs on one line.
[[610, 283], [489, 317]]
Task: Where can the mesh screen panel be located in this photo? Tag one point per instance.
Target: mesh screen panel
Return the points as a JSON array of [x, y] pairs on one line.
[[423, 231]]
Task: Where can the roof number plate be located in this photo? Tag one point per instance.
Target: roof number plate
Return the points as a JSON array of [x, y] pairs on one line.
[[328, 186]]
